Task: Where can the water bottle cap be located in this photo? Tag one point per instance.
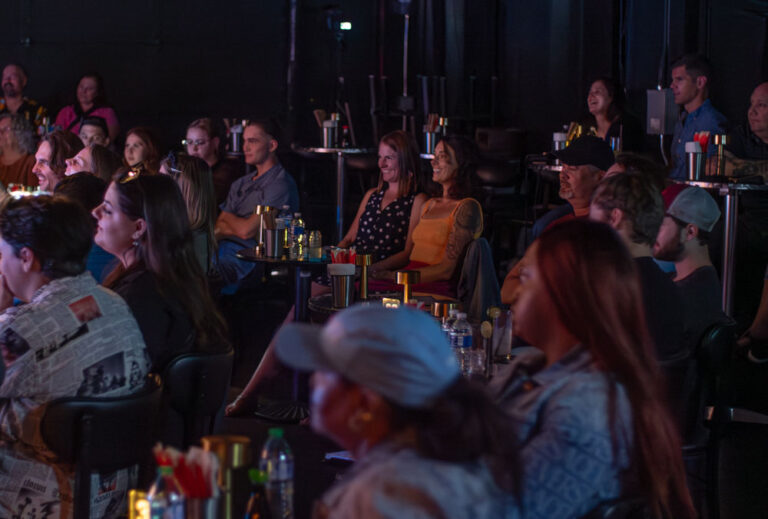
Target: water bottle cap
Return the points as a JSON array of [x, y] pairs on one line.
[[297, 215], [287, 207], [275, 432]]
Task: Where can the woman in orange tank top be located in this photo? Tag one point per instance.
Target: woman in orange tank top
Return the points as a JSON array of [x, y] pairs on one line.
[[448, 222]]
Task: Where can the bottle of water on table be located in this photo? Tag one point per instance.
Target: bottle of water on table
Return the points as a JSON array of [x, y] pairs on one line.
[[276, 461], [298, 237], [461, 341]]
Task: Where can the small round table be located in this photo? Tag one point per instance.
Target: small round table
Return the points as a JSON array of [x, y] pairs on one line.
[[340, 153], [731, 193]]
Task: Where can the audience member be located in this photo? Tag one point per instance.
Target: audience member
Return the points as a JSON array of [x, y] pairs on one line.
[[193, 176], [95, 159], [383, 227], [70, 337], [204, 141], [448, 222], [17, 148], [142, 149], [14, 81], [684, 238], [587, 407], [50, 158], [426, 442], [691, 79], [747, 148], [585, 162], [633, 206], [88, 190], [143, 221], [93, 130], [608, 116], [628, 162], [91, 102], [270, 185]]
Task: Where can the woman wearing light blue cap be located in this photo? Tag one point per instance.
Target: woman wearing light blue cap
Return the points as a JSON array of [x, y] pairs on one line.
[[386, 387]]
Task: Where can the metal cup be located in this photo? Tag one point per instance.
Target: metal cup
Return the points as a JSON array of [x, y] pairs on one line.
[[330, 133], [342, 283], [274, 242], [695, 165], [430, 141]]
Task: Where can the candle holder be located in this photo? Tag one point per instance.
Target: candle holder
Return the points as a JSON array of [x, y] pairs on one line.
[[407, 278], [720, 141], [234, 453], [363, 261]]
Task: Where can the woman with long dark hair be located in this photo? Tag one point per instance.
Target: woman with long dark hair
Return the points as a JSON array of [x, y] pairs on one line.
[[91, 101], [143, 221], [608, 116], [426, 442], [587, 406]]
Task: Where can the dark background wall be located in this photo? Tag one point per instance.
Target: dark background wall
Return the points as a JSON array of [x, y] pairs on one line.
[[168, 62]]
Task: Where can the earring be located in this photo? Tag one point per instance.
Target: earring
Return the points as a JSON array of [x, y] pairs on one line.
[[356, 421], [135, 243]]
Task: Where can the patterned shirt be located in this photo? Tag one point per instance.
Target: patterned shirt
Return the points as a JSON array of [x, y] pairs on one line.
[[704, 118], [565, 434], [74, 338], [29, 108], [383, 232], [392, 482]]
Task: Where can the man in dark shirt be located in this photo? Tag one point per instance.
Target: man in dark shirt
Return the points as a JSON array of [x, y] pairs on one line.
[[585, 162], [747, 147], [632, 204], [683, 238]]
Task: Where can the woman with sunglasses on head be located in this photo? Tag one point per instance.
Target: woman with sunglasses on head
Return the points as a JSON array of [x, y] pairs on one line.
[[143, 221], [587, 401], [193, 176]]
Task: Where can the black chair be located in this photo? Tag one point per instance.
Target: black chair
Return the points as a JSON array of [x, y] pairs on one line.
[[196, 386], [738, 441], [101, 435]]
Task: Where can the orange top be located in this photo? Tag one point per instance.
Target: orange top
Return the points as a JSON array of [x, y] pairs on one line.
[[430, 236]]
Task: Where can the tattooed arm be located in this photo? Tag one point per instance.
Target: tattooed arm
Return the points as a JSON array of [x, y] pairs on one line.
[[468, 222]]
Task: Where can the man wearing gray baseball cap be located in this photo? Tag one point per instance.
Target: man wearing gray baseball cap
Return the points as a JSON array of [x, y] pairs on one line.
[[691, 214], [386, 387]]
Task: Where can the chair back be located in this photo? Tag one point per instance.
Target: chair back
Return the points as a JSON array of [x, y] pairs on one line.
[[101, 434], [196, 386], [478, 287]]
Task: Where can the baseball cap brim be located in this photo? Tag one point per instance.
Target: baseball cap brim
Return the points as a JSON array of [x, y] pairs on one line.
[[298, 345]]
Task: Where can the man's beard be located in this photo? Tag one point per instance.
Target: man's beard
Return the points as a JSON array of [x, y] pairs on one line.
[[566, 192], [672, 251]]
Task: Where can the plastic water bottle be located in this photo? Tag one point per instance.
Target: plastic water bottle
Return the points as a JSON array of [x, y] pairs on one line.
[[461, 341], [276, 461], [447, 327], [298, 237]]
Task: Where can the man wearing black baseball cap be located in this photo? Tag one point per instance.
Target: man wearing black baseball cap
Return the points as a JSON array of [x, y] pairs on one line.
[[585, 162]]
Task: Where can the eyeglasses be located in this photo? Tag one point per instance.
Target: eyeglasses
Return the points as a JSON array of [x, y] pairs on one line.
[[191, 143]]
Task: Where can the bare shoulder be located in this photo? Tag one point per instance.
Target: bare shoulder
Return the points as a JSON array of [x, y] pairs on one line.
[[469, 213]]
